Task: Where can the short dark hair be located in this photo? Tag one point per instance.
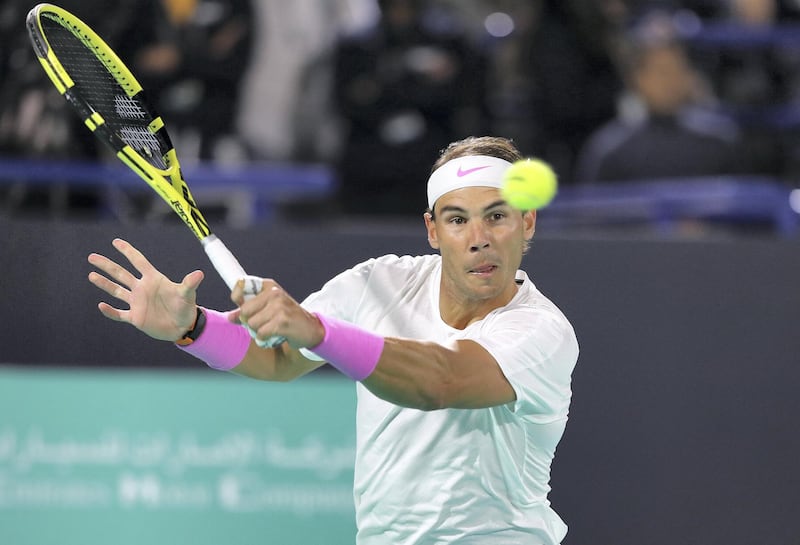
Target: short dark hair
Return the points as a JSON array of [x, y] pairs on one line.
[[655, 31], [492, 146]]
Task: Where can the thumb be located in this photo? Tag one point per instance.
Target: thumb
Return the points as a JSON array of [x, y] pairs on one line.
[[192, 281]]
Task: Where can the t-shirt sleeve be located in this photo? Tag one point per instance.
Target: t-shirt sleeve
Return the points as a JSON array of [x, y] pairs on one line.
[[537, 351], [340, 296]]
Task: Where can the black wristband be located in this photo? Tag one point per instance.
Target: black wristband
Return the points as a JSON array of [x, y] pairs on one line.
[[199, 324]]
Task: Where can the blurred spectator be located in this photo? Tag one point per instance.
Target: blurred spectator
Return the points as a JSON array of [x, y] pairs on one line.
[[568, 63], [751, 73], [756, 76], [405, 89], [665, 129], [191, 55], [35, 121], [188, 54], [287, 106], [511, 95]]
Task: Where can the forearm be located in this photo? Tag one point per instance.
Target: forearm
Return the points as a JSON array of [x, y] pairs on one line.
[[417, 374], [412, 374], [227, 346], [279, 364]]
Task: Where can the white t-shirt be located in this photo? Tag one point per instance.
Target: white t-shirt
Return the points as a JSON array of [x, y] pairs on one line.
[[461, 476]]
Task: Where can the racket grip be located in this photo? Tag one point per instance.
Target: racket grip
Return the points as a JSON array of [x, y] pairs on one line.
[[231, 272], [252, 286], [223, 260]]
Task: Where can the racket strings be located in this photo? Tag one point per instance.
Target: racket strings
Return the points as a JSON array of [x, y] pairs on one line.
[[95, 84]]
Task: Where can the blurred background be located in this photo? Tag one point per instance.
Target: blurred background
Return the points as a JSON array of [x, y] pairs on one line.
[[615, 94], [307, 130]]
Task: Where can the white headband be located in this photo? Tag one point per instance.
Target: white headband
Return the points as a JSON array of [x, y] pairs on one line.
[[469, 171]]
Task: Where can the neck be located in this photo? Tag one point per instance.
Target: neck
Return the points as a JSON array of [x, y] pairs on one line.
[[459, 311]]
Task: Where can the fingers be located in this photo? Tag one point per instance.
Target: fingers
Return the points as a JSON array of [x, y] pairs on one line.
[[269, 312], [111, 268], [111, 288], [272, 312], [237, 293], [113, 313], [134, 256], [155, 304], [251, 300], [253, 285]]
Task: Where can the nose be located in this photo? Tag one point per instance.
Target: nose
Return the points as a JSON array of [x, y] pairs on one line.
[[479, 237]]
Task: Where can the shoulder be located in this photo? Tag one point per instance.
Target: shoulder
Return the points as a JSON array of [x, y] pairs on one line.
[[390, 272], [709, 124], [614, 134], [604, 142], [395, 264], [372, 279], [536, 348], [530, 297], [532, 318]]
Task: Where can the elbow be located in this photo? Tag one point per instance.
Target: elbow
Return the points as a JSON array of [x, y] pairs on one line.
[[281, 378], [430, 402]]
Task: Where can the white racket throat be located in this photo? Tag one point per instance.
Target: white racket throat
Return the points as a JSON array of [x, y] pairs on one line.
[[231, 272], [224, 261]]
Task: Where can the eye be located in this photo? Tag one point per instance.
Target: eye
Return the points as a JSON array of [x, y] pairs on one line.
[[497, 216], [457, 220]]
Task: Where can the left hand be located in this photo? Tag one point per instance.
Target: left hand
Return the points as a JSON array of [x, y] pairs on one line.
[[272, 312], [162, 309]]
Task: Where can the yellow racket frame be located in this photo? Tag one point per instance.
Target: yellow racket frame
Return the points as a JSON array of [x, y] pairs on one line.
[[169, 182]]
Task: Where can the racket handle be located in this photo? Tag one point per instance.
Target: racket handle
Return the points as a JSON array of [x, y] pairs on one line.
[[231, 272]]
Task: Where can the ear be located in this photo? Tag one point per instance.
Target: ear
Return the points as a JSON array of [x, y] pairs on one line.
[[529, 224], [430, 226]]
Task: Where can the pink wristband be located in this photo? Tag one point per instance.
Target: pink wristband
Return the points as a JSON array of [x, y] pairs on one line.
[[222, 345], [352, 350]]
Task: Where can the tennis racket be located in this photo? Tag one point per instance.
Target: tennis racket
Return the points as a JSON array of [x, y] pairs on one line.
[[113, 105]]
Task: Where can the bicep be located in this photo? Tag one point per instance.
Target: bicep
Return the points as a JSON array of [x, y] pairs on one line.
[[477, 379]]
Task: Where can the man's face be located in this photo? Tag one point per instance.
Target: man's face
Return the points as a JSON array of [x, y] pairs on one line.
[[481, 239], [665, 80]]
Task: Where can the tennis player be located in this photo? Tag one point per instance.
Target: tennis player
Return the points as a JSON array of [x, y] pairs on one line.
[[463, 366]]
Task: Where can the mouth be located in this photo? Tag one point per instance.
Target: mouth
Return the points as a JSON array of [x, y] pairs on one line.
[[483, 270]]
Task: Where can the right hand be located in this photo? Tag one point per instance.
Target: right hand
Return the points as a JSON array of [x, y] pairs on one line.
[[162, 309], [272, 312]]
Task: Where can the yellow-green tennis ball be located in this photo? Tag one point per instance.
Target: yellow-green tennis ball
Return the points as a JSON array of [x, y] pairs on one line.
[[529, 184]]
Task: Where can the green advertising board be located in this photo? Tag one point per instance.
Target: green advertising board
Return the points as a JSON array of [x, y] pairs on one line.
[[150, 457]]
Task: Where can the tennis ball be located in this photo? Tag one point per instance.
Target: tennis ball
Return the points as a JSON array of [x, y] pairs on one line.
[[529, 184]]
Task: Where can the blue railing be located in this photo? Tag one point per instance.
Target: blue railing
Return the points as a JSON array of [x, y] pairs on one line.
[[665, 204], [252, 191], [734, 36], [275, 181]]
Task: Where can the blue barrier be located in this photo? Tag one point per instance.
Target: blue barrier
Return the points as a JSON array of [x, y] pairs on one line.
[[252, 190], [666, 203], [714, 38], [735, 36], [275, 181]]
